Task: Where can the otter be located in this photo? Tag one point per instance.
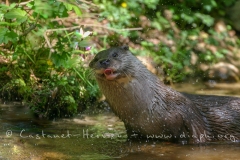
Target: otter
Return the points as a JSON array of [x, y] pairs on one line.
[[150, 109]]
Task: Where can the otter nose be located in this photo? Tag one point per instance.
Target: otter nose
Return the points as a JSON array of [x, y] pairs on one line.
[[105, 62]]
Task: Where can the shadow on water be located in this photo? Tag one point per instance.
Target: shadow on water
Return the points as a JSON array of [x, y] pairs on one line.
[[96, 136]]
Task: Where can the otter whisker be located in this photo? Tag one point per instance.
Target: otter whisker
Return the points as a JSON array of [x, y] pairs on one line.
[[128, 77]]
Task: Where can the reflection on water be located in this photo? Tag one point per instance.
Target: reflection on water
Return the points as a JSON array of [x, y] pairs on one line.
[[96, 136], [210, 88]]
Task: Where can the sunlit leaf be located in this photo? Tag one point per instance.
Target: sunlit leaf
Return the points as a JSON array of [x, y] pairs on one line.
[[9, 24], [68, 6], [206, 19], [16, 13], [77, 10], [71, 7], [30, 4]]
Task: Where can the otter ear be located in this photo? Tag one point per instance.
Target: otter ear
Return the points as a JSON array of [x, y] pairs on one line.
[[125, 47]]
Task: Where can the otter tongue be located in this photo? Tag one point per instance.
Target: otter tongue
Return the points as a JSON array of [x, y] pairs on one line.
[[109, 74]]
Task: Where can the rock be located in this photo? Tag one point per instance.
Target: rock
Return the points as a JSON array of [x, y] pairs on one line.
[[224, 71], [151, 66], [194, 58], [203, 67], [220, 27]]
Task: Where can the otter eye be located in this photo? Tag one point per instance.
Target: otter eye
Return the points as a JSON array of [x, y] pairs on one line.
[[115, 54]]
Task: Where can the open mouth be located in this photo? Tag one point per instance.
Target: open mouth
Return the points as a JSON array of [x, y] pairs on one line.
[[110, 74]]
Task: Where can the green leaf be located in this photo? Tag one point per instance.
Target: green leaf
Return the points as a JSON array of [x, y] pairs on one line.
[[16, 13], [6, 36], [228, 3], [207, 8], [15, 56], [213, 3], [72, 62], [84, 43], [69, 99], [206, 19], [42, 8], [12, 6], [3, 31], [11, 36], [4, 8], [3, 69], [77, 10], [61, 11], [71, 7], [9, 24], [68, 6], [188, 18], [30, 4]]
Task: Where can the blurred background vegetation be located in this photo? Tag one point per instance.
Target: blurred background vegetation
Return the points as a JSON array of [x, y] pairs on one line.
[[45, 46]]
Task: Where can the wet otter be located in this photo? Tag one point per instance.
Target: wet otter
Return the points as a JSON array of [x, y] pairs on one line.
[[151, 109]]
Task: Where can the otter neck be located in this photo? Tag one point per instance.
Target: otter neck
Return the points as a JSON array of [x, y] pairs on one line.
[[124, 95]]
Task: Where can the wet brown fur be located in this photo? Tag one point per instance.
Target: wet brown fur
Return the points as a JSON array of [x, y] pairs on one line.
[[149, 108]]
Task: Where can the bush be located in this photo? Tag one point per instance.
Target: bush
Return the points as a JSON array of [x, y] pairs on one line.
[[43, 60]]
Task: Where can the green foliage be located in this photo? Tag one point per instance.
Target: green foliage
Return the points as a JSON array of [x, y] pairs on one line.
[[172, 31], [44, 62], [15, 89]]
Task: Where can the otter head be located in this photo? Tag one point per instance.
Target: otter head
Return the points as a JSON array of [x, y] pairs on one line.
[[112, 64]]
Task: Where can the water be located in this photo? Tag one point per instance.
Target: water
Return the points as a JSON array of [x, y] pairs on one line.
[[98, 136], [24, 137]]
